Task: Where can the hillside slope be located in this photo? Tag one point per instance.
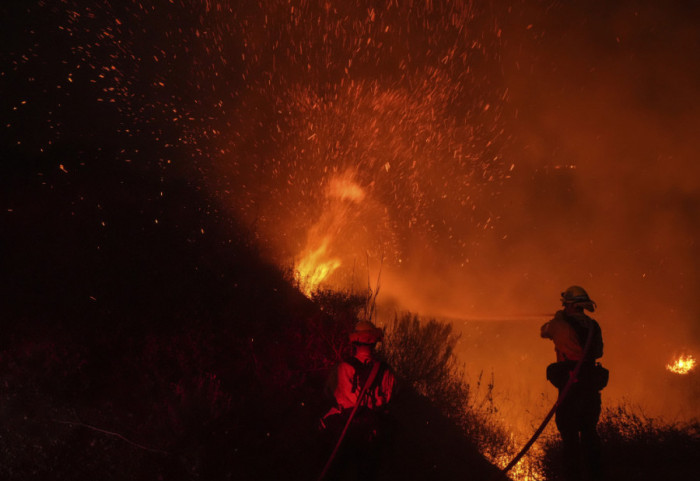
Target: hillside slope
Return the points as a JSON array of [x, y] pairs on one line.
[[143, 338]]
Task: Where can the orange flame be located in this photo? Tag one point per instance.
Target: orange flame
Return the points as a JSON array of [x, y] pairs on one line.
[[326, 237], [682, 365], [527, 469], [315, 267], [344, 188]]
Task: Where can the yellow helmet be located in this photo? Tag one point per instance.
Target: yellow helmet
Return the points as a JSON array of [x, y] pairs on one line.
[[366, 333], [577, 295]]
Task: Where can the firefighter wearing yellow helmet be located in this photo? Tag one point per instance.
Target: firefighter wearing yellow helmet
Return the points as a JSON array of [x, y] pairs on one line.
[[362, 386], [577, 339]]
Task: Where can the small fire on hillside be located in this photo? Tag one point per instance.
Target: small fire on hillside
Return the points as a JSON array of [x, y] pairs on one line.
[[315, 267], [526, 470], [331, 234], [682, 365]]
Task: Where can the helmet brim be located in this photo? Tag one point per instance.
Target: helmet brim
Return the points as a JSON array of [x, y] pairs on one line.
[[370, 336]]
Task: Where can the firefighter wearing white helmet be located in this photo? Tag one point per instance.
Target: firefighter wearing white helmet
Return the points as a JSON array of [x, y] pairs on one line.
[[371, 426], [578, 339]]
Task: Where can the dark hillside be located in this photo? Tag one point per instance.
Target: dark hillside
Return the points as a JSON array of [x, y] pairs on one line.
[[143, 338]]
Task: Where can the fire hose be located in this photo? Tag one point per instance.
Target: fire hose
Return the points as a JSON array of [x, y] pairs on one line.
[[370, 379], [573, 378]]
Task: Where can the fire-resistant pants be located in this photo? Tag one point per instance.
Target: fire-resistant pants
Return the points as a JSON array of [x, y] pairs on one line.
[[366, 442], [576, 419]]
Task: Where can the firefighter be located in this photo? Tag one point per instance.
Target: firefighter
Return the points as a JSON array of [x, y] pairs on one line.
[[578, 412], [369, 433]]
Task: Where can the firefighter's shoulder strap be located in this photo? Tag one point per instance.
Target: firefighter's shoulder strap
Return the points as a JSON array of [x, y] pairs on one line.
[[370, 379]]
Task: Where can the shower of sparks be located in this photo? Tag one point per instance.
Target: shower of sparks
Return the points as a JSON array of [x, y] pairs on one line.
[[352, 131], [682, 365], [270, 100], [406, 97]]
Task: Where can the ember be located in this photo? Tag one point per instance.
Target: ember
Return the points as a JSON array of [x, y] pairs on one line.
[[682, 365]]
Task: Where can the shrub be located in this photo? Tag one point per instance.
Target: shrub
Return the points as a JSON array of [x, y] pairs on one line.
[[342, 310], [422, 354], [637, 447]]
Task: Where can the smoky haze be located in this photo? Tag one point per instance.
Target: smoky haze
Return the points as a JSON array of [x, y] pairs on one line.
[[486, 155], [605, 194], [615, 93], [502, 154]]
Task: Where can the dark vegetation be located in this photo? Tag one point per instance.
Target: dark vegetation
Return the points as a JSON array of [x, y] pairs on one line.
[[637, 448], [422, 353], [143, 338]]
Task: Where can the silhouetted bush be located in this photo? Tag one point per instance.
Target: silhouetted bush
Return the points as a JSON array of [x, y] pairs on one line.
[[342, 310], [422, 354], [636, 448]]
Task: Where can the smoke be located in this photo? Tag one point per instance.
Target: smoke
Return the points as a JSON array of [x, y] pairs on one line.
[[486, 154], [504, 153], [606, 193], [598, 186]]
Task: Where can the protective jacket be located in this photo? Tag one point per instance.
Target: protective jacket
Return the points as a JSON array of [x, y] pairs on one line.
[[569, 333], [351, 376]]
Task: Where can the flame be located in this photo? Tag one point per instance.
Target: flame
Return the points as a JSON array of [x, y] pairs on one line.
[[344, 188], [315, 267], [524, 471], [329, 235], [682, 365], [527, 468]]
